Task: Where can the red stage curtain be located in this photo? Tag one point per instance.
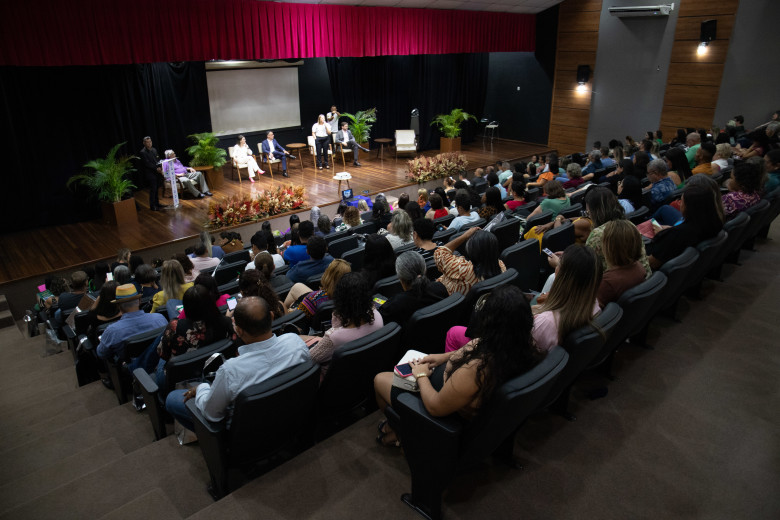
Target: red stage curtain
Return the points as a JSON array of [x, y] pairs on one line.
[[102, 32]]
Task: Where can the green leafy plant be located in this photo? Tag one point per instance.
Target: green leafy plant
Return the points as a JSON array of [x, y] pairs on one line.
[[205, 151], [106, 178], [450, 124], [360, 125]]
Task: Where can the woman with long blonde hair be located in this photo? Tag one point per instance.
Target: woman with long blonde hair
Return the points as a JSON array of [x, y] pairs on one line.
[[172, 284]]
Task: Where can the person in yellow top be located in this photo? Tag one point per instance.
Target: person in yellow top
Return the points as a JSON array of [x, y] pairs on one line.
[[172, 283]]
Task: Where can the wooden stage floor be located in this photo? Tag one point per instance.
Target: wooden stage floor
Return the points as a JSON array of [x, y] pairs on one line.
[[37, 252]]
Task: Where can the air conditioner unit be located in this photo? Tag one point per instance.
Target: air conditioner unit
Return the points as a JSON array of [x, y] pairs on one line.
[[642, 10]]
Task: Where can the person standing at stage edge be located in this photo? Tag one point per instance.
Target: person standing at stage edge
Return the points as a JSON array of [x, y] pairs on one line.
[[150, 166], [321, 132]]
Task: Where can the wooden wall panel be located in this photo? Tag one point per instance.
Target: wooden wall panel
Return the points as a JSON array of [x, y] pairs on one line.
[[578, 26], [693, 81]]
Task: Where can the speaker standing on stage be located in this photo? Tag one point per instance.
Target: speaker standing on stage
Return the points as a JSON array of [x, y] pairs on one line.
[[321, 132], [345, 137], [150, 166], [243, 157], [333, 119]]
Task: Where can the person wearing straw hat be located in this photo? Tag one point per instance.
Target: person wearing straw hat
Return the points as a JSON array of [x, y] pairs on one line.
[[133, 321]]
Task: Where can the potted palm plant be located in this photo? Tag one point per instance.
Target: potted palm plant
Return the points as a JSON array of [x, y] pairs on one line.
[[360, 124], [207, 157], [450, 125], [107, 181]]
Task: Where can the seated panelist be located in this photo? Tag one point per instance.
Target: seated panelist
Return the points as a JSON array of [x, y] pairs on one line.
[[188, 177], [345, 137], [272, 146]]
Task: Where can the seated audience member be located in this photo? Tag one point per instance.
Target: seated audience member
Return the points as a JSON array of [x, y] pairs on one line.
[[463, 175], [188, 177], [135, 262], [721, 158], [603, 206], [419, 291], [324, 226], [172, 284], [262, 356], [423, 237], [78, 288], [492, 179], [465, 214], [693, 143], [413, 210], [381, 212], [744, 189], [270, 241], [230, 241], [264, 263], [295, 221], [146, 281], [493, 205], [622, 247], [459, 274], [422, 200], [759, 146], [474, 197], [574, 172], [208, 281], [594, 163], [302, 298], [254, 283], [378, 259], [702, 219], [122, 258], [506, 172], [641, 161], [319, 259], [203, 261], [203, 325], [606, 160], [122, 274], [437, 207], [462, 382], [101, 270], [259, 243], [557, 200], [661, 185], [403, 199], [297, 253], [354, 316], [677, 164], [479, 178], [187, 266], [133, 322], [518, 196], [670, 214], [362, 207], [216, 251], [703, 158], [772, 164], [571, 302], [104, 309], [350, 219], [629, 191], [399, 231]]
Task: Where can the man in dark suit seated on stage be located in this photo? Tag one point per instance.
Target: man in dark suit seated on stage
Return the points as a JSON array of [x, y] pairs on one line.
[[345, 137], [272, 146]]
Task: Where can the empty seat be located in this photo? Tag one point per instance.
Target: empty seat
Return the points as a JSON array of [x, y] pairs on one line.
[[708, 250], [427, 329], [756, 213], [523, 257], [340, 246], [355, 257], [507, 232], [545, 217], [228, 272], [677, 271], [736, 228]]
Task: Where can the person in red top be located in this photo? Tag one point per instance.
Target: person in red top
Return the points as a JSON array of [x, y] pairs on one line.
[[437, 207], [518, 196]]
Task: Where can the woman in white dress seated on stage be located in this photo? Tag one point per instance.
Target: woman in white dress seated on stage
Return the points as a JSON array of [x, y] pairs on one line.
[[242, 154]]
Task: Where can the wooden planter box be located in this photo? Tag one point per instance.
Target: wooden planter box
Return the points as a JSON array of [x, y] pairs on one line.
[[120, 213], [447, 145], [214, 178]]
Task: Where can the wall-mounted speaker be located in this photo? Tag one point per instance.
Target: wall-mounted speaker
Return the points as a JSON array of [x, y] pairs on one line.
[[709, 29], [583, 73]]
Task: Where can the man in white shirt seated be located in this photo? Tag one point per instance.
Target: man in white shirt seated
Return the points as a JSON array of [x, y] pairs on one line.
[[345, 137], [465, 215], [262, 356]]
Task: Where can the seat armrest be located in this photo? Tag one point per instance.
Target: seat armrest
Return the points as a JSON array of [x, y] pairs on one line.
[[69, 333], [411, 407], [145, 380], [203, 424]]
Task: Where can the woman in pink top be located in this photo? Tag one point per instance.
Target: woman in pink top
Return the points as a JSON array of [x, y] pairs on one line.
[[354, 316], [571, 302]]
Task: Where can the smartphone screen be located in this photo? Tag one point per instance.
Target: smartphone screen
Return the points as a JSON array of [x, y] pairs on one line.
[[231, 303], [109, 277], [42, 287], [547, 252], [378, 302], [403, 370]]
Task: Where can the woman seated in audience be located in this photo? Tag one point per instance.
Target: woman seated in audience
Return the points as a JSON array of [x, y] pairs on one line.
[[187, 266], [424, 230], [413, 210], [302, 298], [122, 258], [378, 259], [135, 262], [254, 283], [354, 316], [571, 302], [419, 291], [172, 284], [629, 191], [702, 219], [399, 231], [517, 191], [207, 281], [437, 207], [772, 164], [422, 200], [351, 219], [622, 246], [122, 274], [720, 160], [758, 147], [641, 160], [146, 281], [459, 274], [362, 206], [493, 204], [744, 189], [101, 270], [338, 218], [557, 200], [104, 310], [574, 173], [381, 212], [462, 382], [602, 206], [403, 200], [679, 168]]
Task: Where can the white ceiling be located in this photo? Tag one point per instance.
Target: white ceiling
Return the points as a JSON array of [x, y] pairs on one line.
[[504, 6]]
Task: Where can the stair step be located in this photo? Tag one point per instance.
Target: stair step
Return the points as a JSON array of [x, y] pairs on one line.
[[153, 505], [229, 507], [130, 429], [44, 480], [178, 471], [33, 361], [6, 318], [3, 303], [12, 384]]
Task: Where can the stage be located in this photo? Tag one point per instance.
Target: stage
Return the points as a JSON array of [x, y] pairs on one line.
[[33, 254]]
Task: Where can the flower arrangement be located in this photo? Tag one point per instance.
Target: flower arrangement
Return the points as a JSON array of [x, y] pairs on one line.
[[266, 203], [423, 169]]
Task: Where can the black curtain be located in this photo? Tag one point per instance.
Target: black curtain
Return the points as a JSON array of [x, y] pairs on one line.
[[55, 119], [434, 84]]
